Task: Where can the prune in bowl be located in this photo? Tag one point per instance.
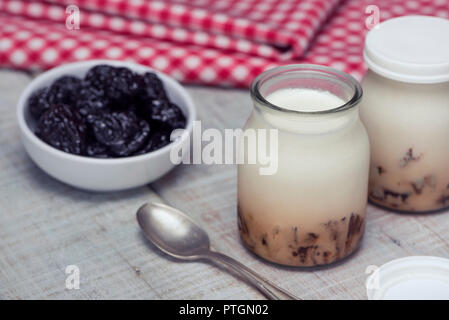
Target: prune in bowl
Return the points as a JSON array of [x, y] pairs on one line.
[[68, 133]]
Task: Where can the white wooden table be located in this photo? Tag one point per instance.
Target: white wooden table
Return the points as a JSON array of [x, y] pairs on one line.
[[46, 226]]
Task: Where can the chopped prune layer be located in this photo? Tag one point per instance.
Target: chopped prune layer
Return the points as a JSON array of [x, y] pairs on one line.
[[111, 112], [384, 193], [409, 156], [297, 246], [427, 192]]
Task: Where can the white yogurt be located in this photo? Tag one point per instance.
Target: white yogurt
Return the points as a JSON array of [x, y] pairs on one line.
[[303, 99]]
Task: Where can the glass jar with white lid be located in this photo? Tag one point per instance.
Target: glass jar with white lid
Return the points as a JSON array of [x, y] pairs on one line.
[[311, 210], [406, 113]]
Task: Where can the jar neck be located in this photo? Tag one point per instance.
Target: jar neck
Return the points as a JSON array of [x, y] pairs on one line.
[[332, 96], [307, 123]]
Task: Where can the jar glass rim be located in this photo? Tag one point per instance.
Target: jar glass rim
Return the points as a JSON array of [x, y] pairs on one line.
[[317, 69]]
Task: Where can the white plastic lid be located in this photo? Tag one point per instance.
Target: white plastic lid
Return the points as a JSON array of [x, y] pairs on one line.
[[411, 49], [410, 278]]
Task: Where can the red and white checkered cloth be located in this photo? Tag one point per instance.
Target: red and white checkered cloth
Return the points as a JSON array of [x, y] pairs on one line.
[[217, 42]]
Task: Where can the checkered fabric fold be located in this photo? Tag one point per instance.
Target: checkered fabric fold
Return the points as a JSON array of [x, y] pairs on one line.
[[217, 42]]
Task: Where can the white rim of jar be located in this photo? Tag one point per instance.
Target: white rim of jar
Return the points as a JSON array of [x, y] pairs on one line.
[[312, 69]]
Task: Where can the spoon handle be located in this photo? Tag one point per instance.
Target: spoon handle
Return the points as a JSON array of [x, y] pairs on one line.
[[270, 290]]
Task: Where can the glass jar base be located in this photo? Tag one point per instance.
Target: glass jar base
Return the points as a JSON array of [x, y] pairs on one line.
[[382, 205], [265, 259]]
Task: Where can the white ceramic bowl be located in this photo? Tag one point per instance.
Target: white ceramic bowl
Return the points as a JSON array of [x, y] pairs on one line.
[[92, 173]]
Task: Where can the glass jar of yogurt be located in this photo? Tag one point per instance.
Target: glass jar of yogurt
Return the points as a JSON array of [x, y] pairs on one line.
[[311, 210], [406, 113]]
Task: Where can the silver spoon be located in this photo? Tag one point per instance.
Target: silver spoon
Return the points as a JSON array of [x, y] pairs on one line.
[[177, 235]]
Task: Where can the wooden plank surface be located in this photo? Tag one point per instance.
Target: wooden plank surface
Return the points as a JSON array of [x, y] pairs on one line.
[[46, 225]]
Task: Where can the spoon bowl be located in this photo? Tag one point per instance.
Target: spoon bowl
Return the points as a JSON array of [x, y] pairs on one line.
[[172, 231]]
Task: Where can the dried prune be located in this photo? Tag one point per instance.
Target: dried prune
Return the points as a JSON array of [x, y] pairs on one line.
[[157, 140], [38, 103], [91, 101], [122, 88], [153, 87], [98, 76], [130, 83], [108, 128], [409, 156], [63, 128], [120, 85], [64, 90], [140, 137], [165, 112], [122, 132]]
